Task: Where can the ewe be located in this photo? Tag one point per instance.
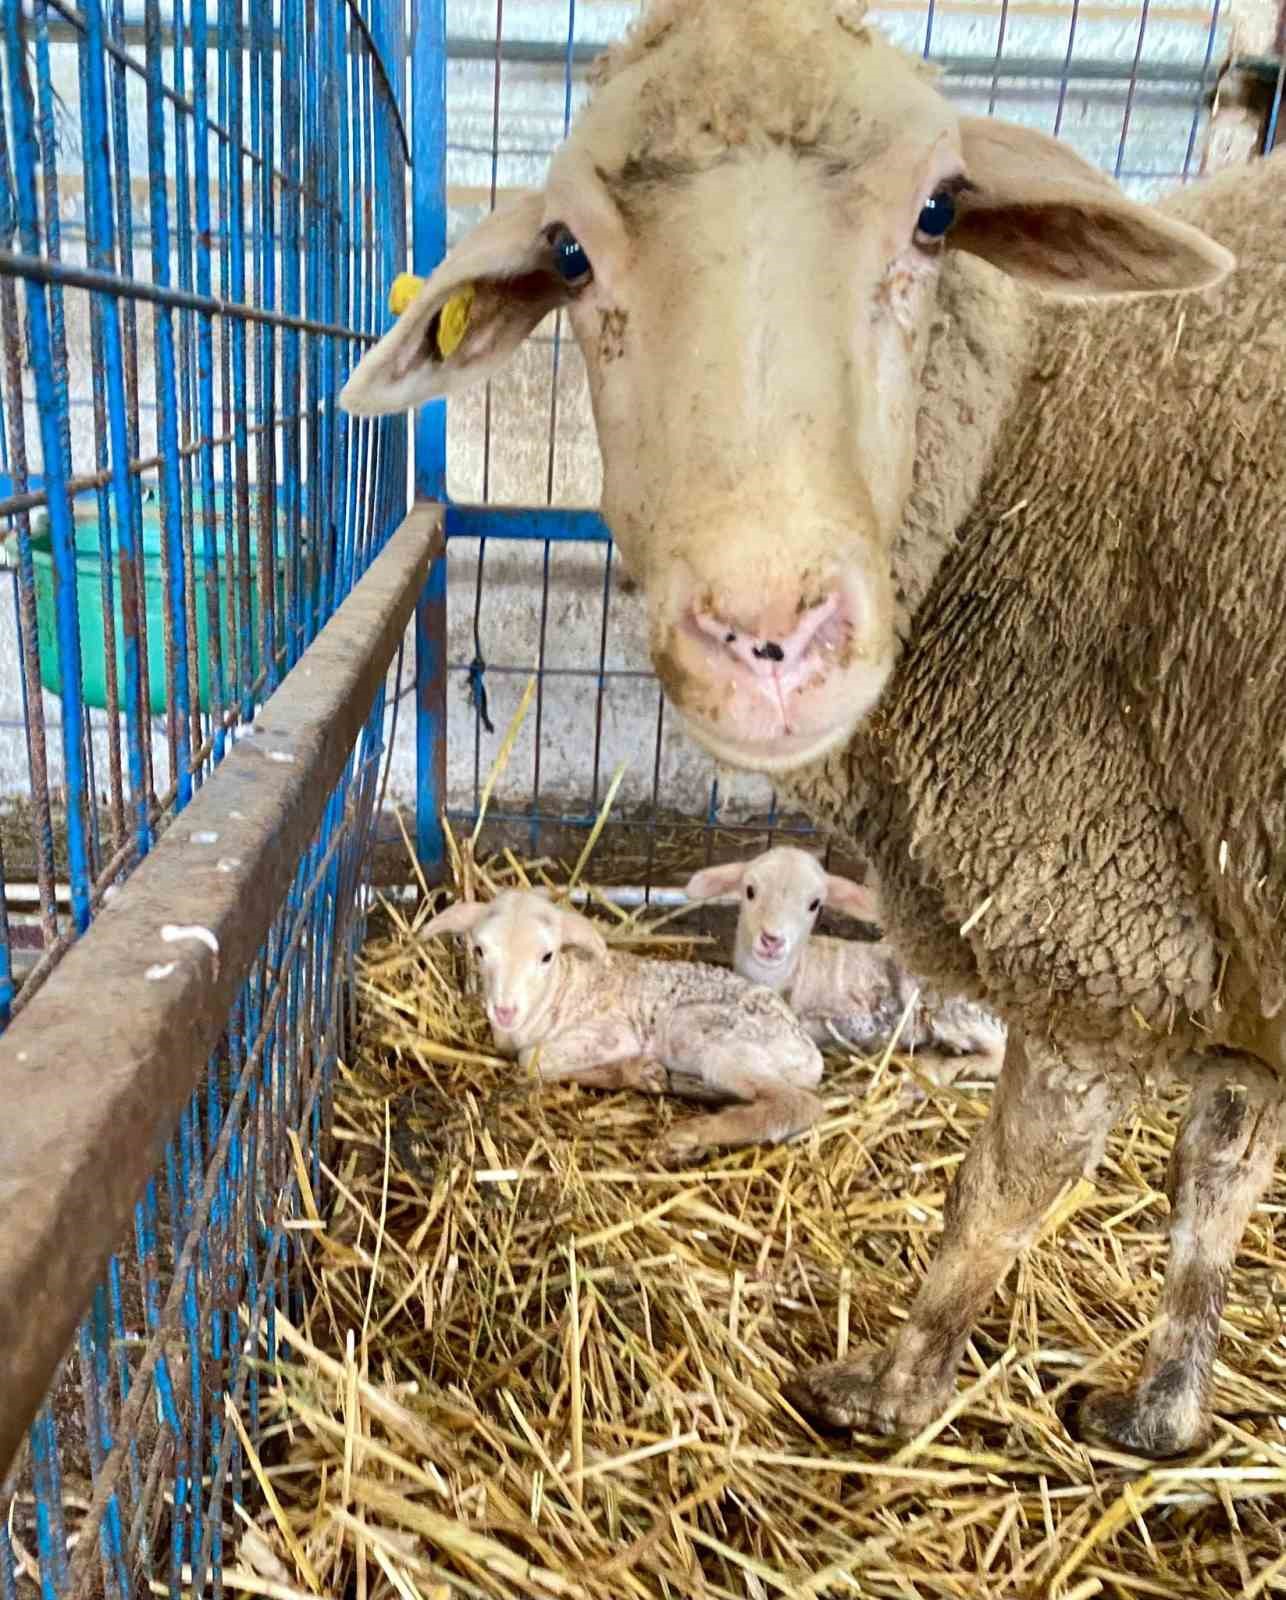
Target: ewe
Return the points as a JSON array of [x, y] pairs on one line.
[[942, 488]]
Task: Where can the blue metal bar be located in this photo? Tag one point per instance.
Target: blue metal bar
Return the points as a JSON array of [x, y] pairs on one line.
[[526, 522], [177, 681], [133, 588], [216, 671], [232, 47], [317, 530], [62, 531], [292, 21], [266, 399], [328, 187], [430, 240]]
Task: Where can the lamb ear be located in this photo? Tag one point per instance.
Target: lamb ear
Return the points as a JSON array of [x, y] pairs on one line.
[[581, 932], [1040, 213], [853, 899], [459, 918], [488, 294], [711, 882]]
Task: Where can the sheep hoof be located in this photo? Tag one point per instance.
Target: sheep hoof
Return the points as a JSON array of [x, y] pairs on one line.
[[1147, 1421], [865, 1395], [675, 1150]]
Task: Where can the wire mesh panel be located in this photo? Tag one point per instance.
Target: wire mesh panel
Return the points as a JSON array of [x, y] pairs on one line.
[[1127, 84], [202, 205]]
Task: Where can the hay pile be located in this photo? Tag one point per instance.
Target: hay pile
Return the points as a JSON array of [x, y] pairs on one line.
[[534, 1366]]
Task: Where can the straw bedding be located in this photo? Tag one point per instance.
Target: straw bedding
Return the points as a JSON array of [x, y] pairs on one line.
[[533, 1365]]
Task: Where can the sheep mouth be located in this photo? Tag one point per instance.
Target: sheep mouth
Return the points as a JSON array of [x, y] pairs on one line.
[[764, 960]]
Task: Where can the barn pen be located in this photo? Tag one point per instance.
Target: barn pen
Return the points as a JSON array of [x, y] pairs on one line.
[[246, 631]]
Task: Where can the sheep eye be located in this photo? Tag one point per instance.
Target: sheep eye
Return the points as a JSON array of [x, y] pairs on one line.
[[477, 950], [814, 905], [750, 891], [546, 958], [570, 261], [936, 215]]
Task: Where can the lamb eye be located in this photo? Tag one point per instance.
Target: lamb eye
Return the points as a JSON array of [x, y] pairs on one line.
[[937, 215], [750, 891], [570, 261], [546, 958], [477, 950], [814, 905]]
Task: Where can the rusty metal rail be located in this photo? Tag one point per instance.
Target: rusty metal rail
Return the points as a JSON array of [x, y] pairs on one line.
[[88, 1108]]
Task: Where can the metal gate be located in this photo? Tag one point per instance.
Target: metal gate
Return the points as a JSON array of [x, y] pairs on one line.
[[202, 206]]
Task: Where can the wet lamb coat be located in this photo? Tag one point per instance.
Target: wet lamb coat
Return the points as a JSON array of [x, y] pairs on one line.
[[1086, 730]]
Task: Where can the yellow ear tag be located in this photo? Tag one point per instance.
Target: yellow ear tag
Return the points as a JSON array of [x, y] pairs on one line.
[[453, 321], [405, 288]]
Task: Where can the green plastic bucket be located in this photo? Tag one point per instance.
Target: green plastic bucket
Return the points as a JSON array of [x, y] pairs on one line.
[[89, 597]]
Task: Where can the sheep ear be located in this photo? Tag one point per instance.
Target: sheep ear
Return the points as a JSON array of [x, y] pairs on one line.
[[581, 932], [853, 899], [459, 918], [468, 318], [711, 882], [1040, 213]]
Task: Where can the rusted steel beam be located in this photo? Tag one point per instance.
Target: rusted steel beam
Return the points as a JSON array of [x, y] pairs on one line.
[[95, 1072]]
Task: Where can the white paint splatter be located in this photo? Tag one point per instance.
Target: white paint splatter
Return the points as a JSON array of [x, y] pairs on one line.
[[22, 1055], [229, 863], [161, 970], [173, 934], [280, 755], [204, 837]]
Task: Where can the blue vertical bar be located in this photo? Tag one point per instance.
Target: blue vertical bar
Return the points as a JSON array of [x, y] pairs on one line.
[[50, 402], [102, 254], [215, 671], [292, 462], [167, 398], [233, 44], [429, 90]]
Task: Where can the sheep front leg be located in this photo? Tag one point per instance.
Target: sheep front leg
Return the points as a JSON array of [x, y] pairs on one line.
[[640, 1073], [1222, 1162], [1047, 1126]]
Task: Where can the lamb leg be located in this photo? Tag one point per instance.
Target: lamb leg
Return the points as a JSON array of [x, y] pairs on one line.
[[1222, 1162], [1047, 1126], [769, 1113]]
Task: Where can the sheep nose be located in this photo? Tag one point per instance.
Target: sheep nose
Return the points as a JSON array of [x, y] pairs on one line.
[[764, 656], [771, 943], [505, 1016]]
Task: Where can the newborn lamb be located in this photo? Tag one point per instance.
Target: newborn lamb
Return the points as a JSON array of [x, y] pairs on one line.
[[558, 999], [837, 987]]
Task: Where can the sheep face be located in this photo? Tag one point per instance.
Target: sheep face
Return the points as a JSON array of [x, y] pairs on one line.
[[516, 941], [747, 228], [782, 893]]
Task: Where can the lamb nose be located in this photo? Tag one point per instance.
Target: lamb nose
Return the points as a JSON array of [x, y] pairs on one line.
[[770, 651]]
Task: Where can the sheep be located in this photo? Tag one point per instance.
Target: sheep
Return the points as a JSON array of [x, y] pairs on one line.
[[856, 992], [561, 1002], [953, 479]]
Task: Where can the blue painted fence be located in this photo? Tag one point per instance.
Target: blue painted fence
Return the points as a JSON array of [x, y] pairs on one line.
[[202, 207]]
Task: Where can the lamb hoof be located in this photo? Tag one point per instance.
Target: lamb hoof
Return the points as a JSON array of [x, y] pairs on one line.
[[1148, 1421], [675, 1150], [862, 1395]]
